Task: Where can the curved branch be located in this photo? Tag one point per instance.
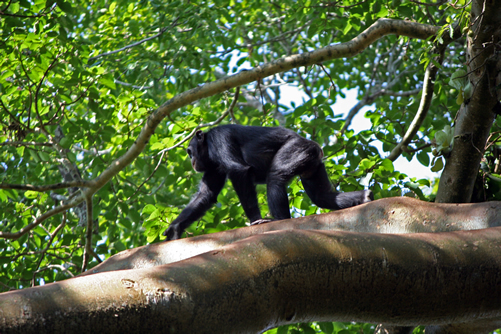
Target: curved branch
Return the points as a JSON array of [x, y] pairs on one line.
[[424, 106], [40, 219], [133, 44], [88, 236], [427, 95], [395, 214], [22, 143], [367, 100], [380, 28]]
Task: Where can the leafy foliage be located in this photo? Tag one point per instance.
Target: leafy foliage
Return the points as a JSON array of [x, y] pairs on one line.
[[78, 80]]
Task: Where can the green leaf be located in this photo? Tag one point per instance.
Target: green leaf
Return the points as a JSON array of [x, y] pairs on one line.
[[459, 79], [113, 5], [154, 215], [108, 81], [148, 209], [347, 27], [387, 165], [326, 327], [423, 158], [14, 7], [438, 165], [30, 194], [65, 142], [44, 156], [65, 6]]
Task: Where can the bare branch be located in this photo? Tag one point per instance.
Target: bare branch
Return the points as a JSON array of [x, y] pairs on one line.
[[433, 4], [22, 143], [426, 97], [88, 236], [55, 266], [367, 100], [133, 44], [133, 86], [149, 177], [48, 245], [424, 106], [40, 219], [200, 126], [93, 151], [62, 185]]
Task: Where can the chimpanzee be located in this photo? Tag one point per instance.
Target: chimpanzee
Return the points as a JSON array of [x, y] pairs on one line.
[[250, 155]]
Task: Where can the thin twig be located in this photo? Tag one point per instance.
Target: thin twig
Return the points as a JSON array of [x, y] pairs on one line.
[[40, 219], [88, 238], [149, 177], [133, 44], [61, 185], [200, 126]]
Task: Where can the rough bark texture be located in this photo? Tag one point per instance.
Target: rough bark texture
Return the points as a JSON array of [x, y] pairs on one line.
[[473, 123], [388, 215], [476, 327], [476, 116], [278, 278]]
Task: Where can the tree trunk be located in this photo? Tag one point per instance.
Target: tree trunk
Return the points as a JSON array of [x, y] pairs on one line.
[[476, 116]]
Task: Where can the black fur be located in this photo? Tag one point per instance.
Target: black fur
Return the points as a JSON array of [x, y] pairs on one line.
[[250, 155]]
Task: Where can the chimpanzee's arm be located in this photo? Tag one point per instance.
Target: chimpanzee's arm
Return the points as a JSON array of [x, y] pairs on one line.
[[246, 191], [210, 186]]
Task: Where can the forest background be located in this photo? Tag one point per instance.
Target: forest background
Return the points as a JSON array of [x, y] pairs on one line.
[[83, 83]]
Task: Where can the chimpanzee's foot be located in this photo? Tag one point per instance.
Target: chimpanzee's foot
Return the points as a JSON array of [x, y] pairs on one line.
[[369, 196]]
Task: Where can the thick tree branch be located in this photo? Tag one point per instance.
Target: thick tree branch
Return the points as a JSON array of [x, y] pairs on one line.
[[279, 278], [388, 215]]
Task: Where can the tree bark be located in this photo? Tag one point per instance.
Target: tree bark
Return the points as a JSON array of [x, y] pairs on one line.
[[388, 215], [282, 277], [476, 115]]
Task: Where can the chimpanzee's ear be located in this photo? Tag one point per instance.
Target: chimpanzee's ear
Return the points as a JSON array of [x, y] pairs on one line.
[[199, 134]]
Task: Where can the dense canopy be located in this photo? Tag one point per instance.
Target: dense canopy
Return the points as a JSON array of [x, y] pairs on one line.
[[98, 100]]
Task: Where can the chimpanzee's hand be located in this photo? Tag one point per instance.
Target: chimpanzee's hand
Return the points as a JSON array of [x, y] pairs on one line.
[[172, 233]]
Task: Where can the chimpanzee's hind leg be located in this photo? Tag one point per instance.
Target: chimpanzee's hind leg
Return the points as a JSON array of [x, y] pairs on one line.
[[295, 157], [319, 189]]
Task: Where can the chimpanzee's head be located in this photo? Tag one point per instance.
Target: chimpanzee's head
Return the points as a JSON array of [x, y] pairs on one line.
[[198, 152]]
